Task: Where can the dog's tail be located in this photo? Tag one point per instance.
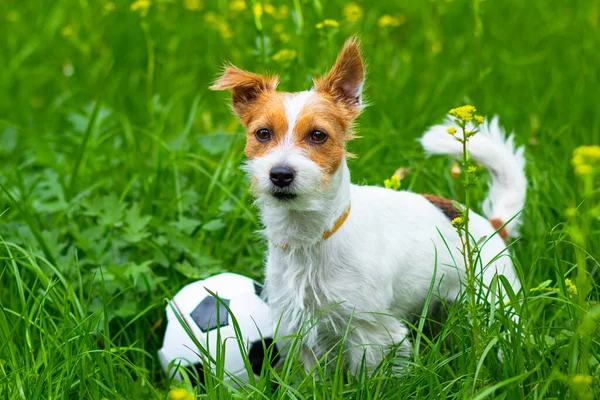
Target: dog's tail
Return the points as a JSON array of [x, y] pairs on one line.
[[506, 163]]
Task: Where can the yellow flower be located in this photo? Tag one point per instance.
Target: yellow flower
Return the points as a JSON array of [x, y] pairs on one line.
[[210, 17], [108, 7], [582, 386], [592, 152], [269, 9], [193, 5], [393, 183], [585, 158], [285, 56], [457, 222], [583, 169], [472, 169], [479, 119], [451, 130], [352, 12], [464, 113], [284, 37], [580, 379], [225, 30], [219, 24], [577, 159], [141, 6], [283, 12], [279, 29], [257, 9], [571, 288], [67, 31], [180, 394], [388, 21], [328, 23], [237, 5]]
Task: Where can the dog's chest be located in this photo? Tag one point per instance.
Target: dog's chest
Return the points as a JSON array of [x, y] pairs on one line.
[[306, 274], [304, 284]]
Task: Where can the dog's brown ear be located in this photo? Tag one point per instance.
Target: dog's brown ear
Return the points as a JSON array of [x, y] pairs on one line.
[[245, 87], [345, 80]]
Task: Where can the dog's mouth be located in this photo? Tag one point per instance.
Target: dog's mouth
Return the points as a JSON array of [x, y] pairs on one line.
[[284, 196]]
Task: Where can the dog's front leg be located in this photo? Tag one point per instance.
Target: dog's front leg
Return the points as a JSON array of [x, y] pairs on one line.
[[308, 358], [371, 341]]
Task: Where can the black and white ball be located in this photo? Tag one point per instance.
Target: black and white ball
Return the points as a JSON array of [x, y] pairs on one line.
[[207, 318]]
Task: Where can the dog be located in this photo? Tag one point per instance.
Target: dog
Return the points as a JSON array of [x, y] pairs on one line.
[[356, 261]]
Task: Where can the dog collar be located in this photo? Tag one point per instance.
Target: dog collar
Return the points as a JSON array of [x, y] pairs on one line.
[[338, 224]]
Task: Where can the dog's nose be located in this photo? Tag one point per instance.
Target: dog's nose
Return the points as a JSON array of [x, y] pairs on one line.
[[281, 176]]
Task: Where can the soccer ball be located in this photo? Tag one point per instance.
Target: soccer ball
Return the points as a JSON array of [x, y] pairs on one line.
[[212, 325]]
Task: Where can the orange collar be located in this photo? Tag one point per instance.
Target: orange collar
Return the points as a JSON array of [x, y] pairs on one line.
[[338, 224]]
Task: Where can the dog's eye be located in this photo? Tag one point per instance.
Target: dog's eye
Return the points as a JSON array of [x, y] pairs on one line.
[[263, 135], [318, 137]]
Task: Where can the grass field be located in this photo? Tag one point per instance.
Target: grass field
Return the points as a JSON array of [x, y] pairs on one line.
[[121, 180]]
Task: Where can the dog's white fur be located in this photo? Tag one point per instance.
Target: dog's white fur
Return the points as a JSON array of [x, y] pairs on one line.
[[381, 262], [376, 270]]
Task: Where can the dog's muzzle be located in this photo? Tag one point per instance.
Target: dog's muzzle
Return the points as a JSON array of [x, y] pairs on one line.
[[282, 177]]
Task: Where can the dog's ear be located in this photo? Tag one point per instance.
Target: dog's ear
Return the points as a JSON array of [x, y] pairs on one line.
[[245, 87], [345, 80]]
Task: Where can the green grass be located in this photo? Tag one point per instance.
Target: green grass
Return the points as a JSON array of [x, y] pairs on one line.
[[121, 183]]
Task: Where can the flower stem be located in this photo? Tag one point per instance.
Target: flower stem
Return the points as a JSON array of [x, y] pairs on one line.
[[467, 248]]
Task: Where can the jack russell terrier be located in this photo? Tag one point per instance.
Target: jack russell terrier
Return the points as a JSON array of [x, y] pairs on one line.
[[359, 260]]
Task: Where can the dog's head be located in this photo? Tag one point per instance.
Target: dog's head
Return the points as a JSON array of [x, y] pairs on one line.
[[296, 141]]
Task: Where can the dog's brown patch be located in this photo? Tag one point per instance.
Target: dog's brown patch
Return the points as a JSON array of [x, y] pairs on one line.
[[444, 205], [266, 112], [497, 224], [452, 212], [345, 79], [246, 87], [321, 114]]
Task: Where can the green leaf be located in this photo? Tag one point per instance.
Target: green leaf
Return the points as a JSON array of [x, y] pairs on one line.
[[226, 206], [49, 195], [122, 277], [135, 229], [108, 210], [481, 241], [200, 271], [134, 220], [185, 225], [78, 121], [214, 225], [126, 309]]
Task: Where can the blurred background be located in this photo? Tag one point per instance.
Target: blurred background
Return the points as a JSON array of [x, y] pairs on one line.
[[122, 171]]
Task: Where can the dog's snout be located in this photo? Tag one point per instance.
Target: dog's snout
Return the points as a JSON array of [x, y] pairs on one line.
[[281, 176]]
